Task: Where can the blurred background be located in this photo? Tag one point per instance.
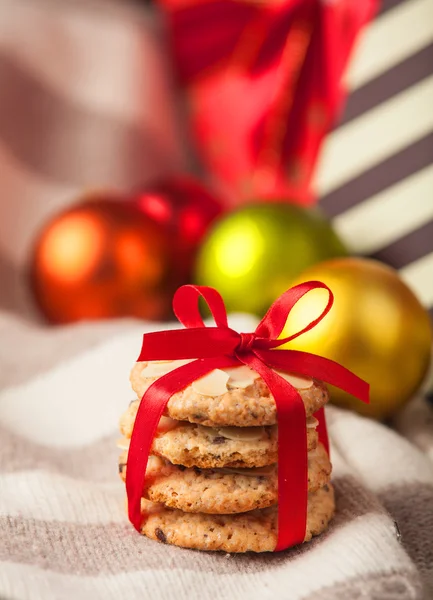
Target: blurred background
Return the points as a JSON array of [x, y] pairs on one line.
[[236, 144]]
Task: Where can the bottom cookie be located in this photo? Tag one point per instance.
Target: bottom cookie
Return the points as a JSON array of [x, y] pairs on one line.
[[254, 531]]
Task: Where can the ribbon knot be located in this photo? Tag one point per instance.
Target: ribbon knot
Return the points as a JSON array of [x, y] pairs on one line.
[[220, 347], [246, 342]]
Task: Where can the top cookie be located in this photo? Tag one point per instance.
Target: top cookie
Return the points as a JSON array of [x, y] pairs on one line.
[[229, 397]]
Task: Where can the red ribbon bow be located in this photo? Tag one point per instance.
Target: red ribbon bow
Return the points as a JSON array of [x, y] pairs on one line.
[[219, 347]]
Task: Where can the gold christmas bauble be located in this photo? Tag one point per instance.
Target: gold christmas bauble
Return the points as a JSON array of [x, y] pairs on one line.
[[377, 328], [252, 253]]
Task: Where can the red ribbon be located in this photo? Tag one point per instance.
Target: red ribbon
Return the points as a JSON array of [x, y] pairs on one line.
[[264, 86], [219, 347]]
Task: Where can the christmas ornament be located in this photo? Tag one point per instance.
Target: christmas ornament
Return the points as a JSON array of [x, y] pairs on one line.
[[377, 328], [263, 83], [185, 209], [253, 253], [103, 258]]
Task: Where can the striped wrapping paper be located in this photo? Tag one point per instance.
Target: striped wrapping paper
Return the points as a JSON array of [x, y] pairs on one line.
[[85, 101], [375, 177]]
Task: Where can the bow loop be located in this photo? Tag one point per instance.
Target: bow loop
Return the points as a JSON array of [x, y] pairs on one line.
[[185, 305], [275, 319]]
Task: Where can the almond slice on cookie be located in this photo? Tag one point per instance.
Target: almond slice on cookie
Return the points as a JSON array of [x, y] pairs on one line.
[[298, 381], [240, 377], [213, 384]]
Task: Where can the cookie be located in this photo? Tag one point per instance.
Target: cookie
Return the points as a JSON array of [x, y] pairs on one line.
[[219, 404], [254, 531], [191, 445], [222, 491]]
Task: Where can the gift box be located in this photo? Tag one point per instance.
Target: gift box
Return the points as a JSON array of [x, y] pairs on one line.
[[285, 388]]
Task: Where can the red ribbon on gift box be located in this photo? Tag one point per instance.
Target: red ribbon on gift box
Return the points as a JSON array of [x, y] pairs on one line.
[[264, 85], [219, 347]]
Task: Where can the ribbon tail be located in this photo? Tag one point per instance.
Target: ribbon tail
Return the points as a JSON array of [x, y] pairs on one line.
[[292, 456], [319, 367], [148, 416]]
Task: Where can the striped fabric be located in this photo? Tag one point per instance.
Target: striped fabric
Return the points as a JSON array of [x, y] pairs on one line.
[[64, 534], [375, 177]]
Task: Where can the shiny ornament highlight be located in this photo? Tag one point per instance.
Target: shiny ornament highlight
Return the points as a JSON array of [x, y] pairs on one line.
[[252, 254], [102, 258], [376, 328]]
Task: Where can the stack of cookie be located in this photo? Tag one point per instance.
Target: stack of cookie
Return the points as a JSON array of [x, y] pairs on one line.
[[211, 480]]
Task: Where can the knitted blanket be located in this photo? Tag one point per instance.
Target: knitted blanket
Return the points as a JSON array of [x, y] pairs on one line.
[[64, 533]]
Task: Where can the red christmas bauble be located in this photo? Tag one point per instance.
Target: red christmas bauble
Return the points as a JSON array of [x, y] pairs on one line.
[[185, 209], [103, 258]]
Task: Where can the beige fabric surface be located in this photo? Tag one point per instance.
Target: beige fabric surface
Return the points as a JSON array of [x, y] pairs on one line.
[[63, 529]]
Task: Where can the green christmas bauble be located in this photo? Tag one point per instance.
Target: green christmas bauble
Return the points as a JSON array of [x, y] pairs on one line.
[[252, 254]]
